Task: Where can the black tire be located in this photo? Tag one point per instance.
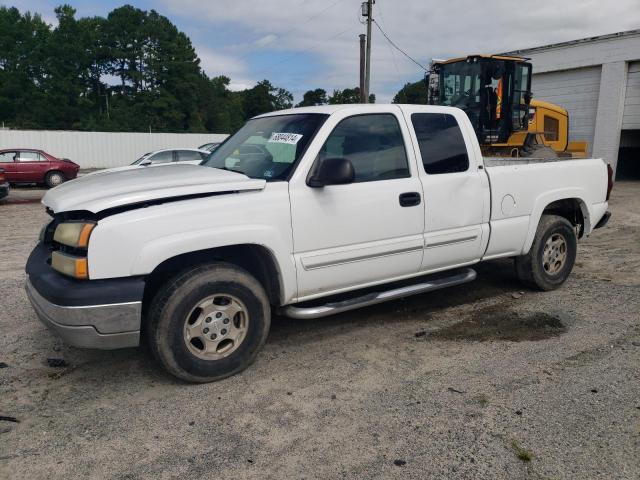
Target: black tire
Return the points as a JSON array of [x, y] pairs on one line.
[[169, 310], [531, 268], [53, 179]]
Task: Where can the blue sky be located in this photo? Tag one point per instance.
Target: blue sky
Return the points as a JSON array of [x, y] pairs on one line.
[[308, 44]]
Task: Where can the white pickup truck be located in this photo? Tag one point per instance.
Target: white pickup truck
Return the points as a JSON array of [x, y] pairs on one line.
[[307, 212]]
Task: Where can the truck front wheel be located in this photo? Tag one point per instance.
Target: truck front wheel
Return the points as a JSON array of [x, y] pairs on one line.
[[209, 322], [552, 254]]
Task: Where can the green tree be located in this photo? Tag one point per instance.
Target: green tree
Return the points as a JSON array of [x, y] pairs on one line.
[[412, 93], [23, 41], [315, 97], [264, 97], [349, 95], [62, 77]]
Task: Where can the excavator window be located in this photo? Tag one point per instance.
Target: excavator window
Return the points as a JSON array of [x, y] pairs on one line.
[[551, 129]]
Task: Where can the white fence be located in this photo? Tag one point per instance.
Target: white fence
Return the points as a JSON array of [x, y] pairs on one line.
[[101, 149]]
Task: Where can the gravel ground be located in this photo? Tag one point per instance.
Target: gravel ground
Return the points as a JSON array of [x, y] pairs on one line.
[[485, 380]]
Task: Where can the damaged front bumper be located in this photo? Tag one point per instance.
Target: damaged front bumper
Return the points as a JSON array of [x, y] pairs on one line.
[[101, 314]]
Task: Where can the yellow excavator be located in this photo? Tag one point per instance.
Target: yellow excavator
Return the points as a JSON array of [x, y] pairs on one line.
[[495, 92]]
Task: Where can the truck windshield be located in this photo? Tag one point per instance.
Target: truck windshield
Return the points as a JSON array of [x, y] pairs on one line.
[[267, 148], [460, 84]]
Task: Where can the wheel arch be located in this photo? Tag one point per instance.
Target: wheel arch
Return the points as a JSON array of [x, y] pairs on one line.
[[256, 259], [570, 206]]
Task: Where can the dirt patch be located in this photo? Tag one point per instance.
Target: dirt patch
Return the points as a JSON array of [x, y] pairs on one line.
[[498, 323]]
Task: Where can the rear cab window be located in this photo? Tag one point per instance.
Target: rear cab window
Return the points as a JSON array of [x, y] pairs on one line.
[[442, 146]]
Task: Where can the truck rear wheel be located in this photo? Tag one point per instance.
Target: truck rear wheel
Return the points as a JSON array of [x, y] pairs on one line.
[[552, 254], [209, 322]]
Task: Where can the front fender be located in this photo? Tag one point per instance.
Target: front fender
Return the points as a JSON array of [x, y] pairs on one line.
[[135, 242]]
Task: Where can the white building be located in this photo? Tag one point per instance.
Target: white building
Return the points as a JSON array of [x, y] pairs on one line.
[[597, 80]]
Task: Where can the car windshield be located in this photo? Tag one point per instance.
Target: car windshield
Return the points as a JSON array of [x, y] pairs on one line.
[[267, 148], [142, 158]]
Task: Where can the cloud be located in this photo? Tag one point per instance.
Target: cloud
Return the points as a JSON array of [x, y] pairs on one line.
[[215, 63], [328, 31], [266, 40], [304, 44]]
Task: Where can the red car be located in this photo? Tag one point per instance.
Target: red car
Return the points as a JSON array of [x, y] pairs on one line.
[[27, 165], [4, 185]]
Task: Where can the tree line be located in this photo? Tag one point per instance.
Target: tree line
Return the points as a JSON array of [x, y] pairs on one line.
[[132, 70]]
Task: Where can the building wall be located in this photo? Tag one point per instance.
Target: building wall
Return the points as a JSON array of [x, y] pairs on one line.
[[598, 81], [101, 149], [577, 91], [631, 117]]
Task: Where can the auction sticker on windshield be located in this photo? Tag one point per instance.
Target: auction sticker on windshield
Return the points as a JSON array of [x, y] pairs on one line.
[[290, 138]]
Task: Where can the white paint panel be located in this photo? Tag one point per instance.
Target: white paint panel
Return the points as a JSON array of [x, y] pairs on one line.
[[102, 149], [577, 91], [631, 116]]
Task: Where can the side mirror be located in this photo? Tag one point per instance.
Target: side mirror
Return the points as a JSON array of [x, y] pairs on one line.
[[332, 171]]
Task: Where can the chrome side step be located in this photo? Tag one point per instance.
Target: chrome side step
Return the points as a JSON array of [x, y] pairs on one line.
[[293, 311]]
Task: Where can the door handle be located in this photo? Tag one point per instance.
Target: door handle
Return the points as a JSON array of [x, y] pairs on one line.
[[409, 199]]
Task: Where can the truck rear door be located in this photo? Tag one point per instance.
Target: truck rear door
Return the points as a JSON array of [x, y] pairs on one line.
[[456, 189]]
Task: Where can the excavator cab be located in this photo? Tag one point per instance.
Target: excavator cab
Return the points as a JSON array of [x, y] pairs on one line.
[[494, 91]]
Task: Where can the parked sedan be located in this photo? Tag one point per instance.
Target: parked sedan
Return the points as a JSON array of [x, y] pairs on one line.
[[26, 165], [183, 155], [4, 185]]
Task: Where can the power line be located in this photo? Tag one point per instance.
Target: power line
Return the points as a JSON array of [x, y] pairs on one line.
[[398, 48], [393, 55]]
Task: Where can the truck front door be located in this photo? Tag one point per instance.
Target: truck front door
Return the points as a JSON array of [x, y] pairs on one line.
[[364, 232], [456, 190]]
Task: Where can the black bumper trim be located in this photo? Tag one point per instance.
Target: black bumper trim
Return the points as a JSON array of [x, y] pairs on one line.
[[65, 291], [604, 220]]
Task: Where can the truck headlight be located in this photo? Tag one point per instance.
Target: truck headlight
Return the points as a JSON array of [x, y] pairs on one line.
[[74, 234], [71, 265]]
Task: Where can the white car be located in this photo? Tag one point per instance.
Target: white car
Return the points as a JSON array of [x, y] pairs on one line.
[[311, 212], [193, 156]]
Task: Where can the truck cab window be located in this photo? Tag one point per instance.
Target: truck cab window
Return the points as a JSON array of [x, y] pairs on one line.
[[442, 146], [374, 145]]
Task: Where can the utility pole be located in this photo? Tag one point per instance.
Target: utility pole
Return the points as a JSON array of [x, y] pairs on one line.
[[363, 65], [368, 72]]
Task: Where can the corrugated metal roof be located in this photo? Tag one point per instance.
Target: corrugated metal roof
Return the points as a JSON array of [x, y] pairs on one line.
[[599, 38]]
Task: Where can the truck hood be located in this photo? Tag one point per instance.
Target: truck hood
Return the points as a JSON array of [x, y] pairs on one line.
[[117, 188]]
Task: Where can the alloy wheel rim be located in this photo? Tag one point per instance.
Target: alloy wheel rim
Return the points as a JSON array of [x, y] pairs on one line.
[[216, 326], [554, 254]]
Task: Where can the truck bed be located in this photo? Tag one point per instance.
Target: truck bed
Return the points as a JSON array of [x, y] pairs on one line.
[[501, 161], [522, 188]]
